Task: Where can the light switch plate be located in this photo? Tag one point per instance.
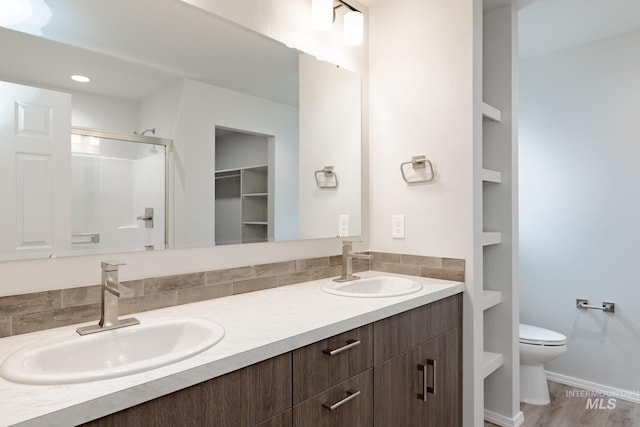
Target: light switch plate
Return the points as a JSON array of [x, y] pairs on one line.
[[343, 225], [397, 226]]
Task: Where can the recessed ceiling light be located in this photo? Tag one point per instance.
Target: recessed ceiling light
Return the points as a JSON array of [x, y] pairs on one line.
[[80, 78]]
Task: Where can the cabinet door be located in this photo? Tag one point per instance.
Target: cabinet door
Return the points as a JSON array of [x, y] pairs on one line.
[[281, 420], [348, 404], [421, 387], [244, 397], [402, 332]]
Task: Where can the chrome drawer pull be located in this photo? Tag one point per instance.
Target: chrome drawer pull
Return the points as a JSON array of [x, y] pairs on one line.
[[426, 388], [350, 344], [352, 394]]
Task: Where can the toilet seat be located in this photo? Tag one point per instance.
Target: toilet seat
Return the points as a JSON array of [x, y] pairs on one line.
[[534, 335]]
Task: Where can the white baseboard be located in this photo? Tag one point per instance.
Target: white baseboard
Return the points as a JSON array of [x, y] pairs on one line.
[[501, 420], [631, 396]]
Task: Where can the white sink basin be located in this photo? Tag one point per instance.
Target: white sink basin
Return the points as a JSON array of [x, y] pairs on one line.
[[373, 287], [71, 358]]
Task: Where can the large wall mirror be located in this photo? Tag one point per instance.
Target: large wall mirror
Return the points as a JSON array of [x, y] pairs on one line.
[[191, 131]]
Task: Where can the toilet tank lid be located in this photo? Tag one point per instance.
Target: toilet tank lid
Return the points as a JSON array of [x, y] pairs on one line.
[[533, 334]]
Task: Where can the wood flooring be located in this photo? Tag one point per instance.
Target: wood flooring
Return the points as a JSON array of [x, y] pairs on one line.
[[574, 407]]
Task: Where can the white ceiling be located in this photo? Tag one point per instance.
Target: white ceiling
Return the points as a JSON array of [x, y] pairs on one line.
[[550, 25]]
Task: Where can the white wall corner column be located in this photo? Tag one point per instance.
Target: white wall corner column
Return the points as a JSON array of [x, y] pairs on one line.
[[417, 49], [496, 214]]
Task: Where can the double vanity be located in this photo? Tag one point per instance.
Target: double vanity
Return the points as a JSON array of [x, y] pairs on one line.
[[334, 353]]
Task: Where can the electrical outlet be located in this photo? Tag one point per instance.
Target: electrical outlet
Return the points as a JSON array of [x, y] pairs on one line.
[[343, 225], [397, 226]]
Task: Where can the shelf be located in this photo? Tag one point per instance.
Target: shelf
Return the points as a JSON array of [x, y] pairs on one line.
[[255, 195], [489, 175], [226, 175], [254, 223], [490, 298], [491, 113], [491, 238], [240, 168], [491, 362]]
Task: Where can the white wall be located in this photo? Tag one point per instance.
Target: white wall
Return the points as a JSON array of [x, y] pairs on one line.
[[421, 103], [580, 205], [101, 112], [330, 135], [421, 76]]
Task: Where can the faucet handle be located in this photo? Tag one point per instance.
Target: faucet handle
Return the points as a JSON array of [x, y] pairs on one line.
[[111, 265], [118, 290]]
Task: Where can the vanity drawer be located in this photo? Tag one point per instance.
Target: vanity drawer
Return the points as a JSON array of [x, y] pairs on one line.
[[347, 404], [319, 366]]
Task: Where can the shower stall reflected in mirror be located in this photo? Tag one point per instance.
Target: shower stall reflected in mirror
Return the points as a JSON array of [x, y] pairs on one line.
[[119, 195]]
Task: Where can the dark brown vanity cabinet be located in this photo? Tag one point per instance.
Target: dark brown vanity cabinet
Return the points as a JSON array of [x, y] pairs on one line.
[[418, 371], [404, 370], [259, 394], [333, 381], [347, 404], [422, 386]]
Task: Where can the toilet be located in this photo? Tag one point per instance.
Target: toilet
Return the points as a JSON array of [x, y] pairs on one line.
[[537, 347]]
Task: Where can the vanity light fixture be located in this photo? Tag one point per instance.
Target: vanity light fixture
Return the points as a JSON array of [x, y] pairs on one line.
[[353, 28], [14, 12], [80, 78], [323, 14]]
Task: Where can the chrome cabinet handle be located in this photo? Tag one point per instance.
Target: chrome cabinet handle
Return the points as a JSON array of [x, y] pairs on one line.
[[351, 394], [426, 388], [350, 344], [432, 389]]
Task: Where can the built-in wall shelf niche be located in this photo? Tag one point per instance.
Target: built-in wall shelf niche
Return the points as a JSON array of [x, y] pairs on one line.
[[242, 205], [242, 197], [491, 113], [490, 299], [491, 238], [489, 175], [491, 362], [494, 165]]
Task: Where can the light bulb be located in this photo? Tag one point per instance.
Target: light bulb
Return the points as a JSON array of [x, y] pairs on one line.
[[353, 28], [80, 78], [14, 12], [321, 14]]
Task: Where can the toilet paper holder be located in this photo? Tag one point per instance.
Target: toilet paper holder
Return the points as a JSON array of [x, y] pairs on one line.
[[607, 307]]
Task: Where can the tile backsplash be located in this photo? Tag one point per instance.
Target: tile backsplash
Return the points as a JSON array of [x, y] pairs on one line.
[[417, 265], [25, 313]]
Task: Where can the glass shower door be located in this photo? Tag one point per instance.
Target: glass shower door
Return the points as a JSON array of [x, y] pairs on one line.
[[119, 192]]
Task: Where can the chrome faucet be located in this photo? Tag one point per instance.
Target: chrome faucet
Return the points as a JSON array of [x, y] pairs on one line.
[[347, 262], [111, 291]]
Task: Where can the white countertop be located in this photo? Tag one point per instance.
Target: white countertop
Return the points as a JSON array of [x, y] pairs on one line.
[[258, 325]]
